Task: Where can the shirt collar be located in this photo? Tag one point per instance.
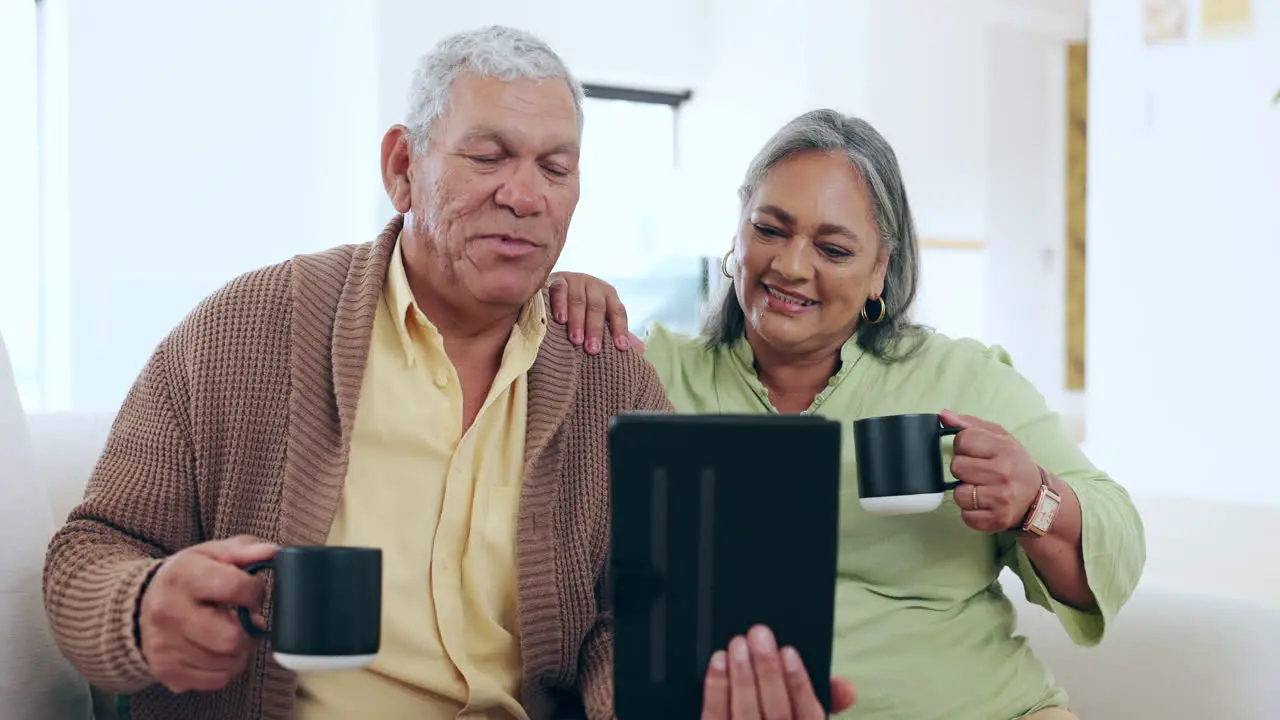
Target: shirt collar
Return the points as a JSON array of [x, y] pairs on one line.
[[404, 310], [741, 349], [744, 358]]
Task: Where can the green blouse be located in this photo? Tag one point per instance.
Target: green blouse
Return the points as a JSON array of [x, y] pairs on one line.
[[923, 627]]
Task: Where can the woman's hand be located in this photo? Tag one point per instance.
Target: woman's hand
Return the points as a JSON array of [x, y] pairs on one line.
[[999, 479], [583, 303], [754, 681]]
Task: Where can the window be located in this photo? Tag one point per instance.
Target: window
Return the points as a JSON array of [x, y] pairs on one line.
[[622, 230], [20, 199]]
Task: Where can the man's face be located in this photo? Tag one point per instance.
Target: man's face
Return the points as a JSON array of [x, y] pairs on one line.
[[492, 195]]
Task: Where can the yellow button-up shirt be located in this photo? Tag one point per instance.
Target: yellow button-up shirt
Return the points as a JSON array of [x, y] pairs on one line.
[[442, 505]]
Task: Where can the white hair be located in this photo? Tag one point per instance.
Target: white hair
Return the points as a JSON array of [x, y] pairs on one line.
[[494, 51]]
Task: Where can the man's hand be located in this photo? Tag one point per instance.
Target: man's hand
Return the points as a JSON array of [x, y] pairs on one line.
[[190, 638]]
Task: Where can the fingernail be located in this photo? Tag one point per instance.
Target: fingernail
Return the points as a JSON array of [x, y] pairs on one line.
[[622, 342], [718, 661], [560, 318], [791, 660], [762, 640], [576, 337], [593, 346], [738, 648]]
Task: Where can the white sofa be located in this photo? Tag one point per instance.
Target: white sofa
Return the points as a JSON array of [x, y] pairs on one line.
[[1171, 655], [35, 680]]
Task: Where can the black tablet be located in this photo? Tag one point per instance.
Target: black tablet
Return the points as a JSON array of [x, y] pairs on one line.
[[719, 522]]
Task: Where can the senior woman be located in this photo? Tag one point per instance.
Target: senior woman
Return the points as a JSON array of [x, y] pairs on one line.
[[815, 319]]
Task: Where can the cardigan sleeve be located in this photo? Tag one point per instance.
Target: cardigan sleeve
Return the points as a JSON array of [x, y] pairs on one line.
[[1112, 536], [138, 506], [595, 676]]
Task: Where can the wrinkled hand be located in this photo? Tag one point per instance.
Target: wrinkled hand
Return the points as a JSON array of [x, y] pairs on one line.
[[754, 681], [583, 303], [190, 639], [991, 462]]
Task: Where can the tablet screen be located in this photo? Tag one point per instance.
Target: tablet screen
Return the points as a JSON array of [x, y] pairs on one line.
[[719, 522]]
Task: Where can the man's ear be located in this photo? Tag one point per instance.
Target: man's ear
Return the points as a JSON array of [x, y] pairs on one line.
[[397, 158]]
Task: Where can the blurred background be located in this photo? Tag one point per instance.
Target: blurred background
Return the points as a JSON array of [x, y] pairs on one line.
[[1095, 183]]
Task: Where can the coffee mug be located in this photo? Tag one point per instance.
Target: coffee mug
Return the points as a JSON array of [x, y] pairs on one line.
[[326, 610], [900, 463]]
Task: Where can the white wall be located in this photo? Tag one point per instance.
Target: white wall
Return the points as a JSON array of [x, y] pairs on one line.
[[973, 97], [1024, 303], [201, 140], [19, 193], [929, 99], [1184, 242], [204, 139], [757, 77], [952, 295]]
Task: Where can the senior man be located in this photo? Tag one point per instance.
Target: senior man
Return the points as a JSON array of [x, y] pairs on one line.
[[404, 394]]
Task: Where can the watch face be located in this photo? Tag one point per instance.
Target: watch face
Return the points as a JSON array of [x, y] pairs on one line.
[[1045, 511]]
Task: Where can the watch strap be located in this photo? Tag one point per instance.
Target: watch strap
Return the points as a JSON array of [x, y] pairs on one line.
[[1046, 494]]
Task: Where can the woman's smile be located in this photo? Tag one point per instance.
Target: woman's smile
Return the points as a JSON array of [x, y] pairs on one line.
[[787, 302]]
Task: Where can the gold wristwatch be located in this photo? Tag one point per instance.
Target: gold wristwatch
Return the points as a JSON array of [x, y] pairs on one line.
[[1043, 510]]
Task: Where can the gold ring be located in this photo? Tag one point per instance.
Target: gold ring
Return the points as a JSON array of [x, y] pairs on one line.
[[975, 497]]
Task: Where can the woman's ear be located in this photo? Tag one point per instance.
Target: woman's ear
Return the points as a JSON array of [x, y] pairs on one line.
[[729, 261], [878, 274], [397, 158]]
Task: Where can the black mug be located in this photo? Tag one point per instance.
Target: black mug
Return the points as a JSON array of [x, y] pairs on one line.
[[326, 609], [900, 463]]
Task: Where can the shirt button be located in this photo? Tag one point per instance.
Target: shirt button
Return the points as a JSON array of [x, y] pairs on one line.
[[833, 381], [441, 380]]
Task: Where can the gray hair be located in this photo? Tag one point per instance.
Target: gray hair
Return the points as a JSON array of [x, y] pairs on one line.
[[871, 155], [494, 51]]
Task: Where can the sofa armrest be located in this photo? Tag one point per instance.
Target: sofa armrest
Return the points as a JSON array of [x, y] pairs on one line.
[[65, 447]]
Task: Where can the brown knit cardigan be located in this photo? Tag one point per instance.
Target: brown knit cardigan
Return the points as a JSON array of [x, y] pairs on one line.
[[241, 423]]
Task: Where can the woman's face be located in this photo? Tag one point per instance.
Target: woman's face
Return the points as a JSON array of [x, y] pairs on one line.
[[808, 255]]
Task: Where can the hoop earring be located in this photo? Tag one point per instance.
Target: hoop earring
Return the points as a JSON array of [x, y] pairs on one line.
[[880, 312], [724, 265]]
